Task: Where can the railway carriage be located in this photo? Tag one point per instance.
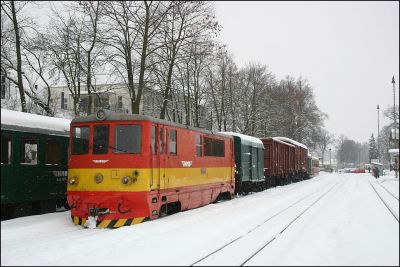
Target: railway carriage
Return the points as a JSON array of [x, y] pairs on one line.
[[33, 163], [125, 169], [249, 162], [299, 157], [278, 161]]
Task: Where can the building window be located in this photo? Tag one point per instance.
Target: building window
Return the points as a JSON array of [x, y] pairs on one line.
[[3, 85], [29, 152], [120, 102], [172, 142], [53, 152]]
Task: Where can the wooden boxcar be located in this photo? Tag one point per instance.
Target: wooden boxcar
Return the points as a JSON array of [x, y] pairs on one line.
[[278, 161], [125, 169], [299, 160], [33, 163], [249, 174]]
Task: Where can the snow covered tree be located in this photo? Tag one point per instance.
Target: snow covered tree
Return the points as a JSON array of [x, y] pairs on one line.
[[373, 150]]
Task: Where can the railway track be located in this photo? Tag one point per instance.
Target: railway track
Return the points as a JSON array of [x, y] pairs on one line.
[[388, 191], [391, 203], [275, 225]]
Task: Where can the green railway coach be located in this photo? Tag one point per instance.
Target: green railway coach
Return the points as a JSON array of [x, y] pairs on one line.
[[33, 163], [249, 161]]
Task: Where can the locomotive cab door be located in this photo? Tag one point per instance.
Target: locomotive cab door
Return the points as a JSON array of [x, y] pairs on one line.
[[158, 147]]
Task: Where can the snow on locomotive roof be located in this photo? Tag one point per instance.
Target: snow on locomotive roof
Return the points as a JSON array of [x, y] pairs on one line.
[[22, 121], [248, 138], [291, 141]]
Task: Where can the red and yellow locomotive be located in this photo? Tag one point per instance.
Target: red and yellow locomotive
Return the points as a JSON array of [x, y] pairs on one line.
[[124, 169]]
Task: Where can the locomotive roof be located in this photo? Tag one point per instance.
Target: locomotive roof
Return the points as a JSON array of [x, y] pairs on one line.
[[113, 116], [285, 139], [246, 139], [28, 122]]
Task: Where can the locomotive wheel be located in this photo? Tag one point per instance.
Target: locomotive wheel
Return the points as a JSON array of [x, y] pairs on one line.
[[163, 211]]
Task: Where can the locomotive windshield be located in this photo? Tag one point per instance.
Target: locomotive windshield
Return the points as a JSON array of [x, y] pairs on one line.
[[100, 139], [80, 140], [127, 139]]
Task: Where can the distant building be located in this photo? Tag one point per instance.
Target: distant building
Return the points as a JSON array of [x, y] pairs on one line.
[[5, 86], [115, 97]]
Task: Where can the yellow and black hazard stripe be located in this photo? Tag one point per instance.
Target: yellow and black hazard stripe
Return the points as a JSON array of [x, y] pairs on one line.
[[110, 223]]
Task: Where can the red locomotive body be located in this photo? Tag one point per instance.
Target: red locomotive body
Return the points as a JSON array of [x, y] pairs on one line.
[[124, 169]]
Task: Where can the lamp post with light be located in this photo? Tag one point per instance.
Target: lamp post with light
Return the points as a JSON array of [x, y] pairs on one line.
[[394, 110], [377, 140]]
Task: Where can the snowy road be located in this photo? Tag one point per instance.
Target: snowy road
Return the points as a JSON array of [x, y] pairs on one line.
[[333, 219]]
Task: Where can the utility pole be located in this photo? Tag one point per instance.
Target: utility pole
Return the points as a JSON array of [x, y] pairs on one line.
[[394, 110], [394, 119], [377, 140]]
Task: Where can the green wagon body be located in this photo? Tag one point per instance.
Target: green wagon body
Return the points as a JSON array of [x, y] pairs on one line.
[[33, 170], [249, 161]]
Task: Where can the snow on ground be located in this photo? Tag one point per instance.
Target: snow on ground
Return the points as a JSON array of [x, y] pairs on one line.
[[348, 226]]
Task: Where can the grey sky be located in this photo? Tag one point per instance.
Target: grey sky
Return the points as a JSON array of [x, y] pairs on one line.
[[348, 51]]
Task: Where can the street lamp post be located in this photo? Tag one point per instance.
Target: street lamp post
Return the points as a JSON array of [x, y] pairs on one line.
[[394, 109], [377, 140]]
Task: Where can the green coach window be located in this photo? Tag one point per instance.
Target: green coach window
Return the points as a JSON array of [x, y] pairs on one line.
[[53, 152], [29, 152], [5, 149]]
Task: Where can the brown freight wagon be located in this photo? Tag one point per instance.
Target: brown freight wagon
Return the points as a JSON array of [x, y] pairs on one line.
[[279, 161], [299, 153]]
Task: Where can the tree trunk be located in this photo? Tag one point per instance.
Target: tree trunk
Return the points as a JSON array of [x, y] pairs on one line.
[[19, 60]]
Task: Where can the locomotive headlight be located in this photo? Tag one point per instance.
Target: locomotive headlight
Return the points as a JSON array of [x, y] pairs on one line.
[[98, 178], [73, 180], [100, 115]]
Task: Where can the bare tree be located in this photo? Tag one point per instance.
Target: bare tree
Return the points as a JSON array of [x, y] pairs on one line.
[[13, 10], [65, 44], [323, 140], [185, 22], [132, 31]]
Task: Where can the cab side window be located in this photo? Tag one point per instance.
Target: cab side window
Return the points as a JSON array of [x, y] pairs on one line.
[[172, 142]]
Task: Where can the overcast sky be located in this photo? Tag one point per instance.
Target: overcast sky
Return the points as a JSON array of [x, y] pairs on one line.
[[348, 51]]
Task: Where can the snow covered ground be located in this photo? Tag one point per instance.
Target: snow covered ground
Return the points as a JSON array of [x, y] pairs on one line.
[[332, 219]]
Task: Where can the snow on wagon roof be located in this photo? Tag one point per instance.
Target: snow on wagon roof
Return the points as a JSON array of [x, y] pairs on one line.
[[16, 120], [291, 141], [248, 138]]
